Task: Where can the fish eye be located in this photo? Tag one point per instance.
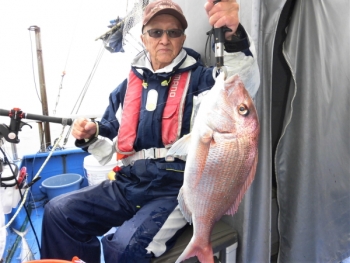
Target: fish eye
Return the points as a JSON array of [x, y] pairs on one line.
[[243, 110]]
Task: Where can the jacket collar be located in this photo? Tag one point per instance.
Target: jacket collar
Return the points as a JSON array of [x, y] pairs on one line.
[[183, 61]]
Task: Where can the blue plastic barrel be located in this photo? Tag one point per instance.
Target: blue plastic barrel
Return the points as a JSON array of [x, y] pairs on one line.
[[61, 184]]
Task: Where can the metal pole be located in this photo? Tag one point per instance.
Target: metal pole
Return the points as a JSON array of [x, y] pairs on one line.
[[41, 137], [14, 152], [47, 140]]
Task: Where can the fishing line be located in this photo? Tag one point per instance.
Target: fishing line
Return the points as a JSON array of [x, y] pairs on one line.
[[64, 70], [28, 189], [59, 92], [200, 91], [35, 177], [30, 221], [149, 60], [2, 143], [42, 137], [85, 89], [24, 196], [126, 41], [31, 51], [191, 93], [20, 193]]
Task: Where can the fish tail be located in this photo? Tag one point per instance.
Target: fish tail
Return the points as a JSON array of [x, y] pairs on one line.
[[203, 253]]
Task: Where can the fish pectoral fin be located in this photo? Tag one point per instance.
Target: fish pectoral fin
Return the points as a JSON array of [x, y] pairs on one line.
[[183, 207], [180, 147], [233, 209], [206, 135]]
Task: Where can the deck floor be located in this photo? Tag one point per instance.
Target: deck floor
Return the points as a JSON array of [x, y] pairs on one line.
[[13, 241], [21, 223]]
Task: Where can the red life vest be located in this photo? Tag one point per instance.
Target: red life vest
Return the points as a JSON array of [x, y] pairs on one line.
[[172, 114]]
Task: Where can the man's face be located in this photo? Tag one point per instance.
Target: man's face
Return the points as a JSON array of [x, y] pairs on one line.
[[162, 50]]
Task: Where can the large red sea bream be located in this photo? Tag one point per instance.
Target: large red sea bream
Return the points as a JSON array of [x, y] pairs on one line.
[[221, 162]]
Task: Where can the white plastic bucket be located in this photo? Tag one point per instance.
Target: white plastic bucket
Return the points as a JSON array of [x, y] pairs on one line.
[[95, 172], [9, 195]]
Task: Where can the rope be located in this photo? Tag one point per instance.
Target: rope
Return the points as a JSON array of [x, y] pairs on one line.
[[35, 177]]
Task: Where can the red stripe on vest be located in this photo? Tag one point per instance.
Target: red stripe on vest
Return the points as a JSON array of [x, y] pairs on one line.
[[172, 114], [131, 112], [173, 111]]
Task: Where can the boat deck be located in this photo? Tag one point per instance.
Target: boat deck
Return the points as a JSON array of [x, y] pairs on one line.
[[61, 162], [14, 242]]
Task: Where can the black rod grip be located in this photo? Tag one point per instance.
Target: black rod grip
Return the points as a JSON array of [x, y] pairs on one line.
[[4, 112], [43, 118]]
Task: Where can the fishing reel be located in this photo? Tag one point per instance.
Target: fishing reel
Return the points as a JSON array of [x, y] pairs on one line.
[[10, 133]]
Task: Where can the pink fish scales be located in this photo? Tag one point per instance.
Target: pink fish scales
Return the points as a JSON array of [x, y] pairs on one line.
[[221, 162]]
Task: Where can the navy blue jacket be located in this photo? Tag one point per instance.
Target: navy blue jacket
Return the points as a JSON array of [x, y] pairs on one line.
[[154, 178], [149, 128], [148, 179]]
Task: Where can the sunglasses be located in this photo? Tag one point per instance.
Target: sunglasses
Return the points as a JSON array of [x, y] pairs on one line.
[[172, 33]]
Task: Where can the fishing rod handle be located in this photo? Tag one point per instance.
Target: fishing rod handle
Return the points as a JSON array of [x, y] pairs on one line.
[[4, 112], [219, 39], [43, 118]]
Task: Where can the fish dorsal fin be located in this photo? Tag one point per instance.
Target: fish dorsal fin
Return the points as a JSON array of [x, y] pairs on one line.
[[233, 209], [181, 146], [183, 207]]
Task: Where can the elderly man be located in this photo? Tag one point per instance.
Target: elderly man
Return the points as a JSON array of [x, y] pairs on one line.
[[147, 113]]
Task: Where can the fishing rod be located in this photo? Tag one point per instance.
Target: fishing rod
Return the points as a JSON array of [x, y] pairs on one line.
[[219, 40], [10, 133], [239, 43]]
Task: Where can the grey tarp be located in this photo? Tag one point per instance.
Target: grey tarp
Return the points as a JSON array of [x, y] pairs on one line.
[[312, 160], [313, 155]]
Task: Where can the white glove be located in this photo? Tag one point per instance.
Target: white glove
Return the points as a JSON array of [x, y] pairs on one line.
[[102, 150]]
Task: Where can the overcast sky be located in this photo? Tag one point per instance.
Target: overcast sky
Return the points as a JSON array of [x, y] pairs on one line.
[[68, 32]]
